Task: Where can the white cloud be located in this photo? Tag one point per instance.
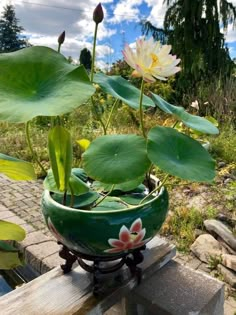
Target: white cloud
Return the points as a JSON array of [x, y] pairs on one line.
[[44, 23], [126, 10], [230, 34], [157, 14], [101, 64]]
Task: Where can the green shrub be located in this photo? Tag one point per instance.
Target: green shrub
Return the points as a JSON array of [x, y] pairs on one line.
[[224, 145]]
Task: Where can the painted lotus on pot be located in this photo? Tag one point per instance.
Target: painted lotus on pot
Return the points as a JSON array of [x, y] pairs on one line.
[[128, 238]]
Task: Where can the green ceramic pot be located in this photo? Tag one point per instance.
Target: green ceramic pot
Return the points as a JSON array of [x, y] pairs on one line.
[[105, 233]]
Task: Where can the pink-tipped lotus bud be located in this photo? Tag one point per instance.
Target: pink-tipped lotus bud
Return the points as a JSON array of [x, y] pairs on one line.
[[98, 14], [61, 38]]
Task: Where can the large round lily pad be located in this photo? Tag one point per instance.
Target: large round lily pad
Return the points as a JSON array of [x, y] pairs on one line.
[[114, 159], [179, 155], [38, 81]]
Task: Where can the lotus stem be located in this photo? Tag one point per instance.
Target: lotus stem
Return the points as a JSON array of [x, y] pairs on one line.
[[112, 187], [111, 112], [174, 124], [98, 118], [141, 108], [72, 197], [92, 75], [94, 51], [155, 189], [33, 153], [64, 198]]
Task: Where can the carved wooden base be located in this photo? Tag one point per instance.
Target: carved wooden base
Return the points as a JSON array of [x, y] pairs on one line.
[[97, 268]]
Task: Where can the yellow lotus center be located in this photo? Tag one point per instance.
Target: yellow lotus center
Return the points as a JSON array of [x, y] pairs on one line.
[[155, 60], [133, 236]]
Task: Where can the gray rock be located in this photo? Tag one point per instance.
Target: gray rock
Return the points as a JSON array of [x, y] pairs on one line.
[[229, 275], [229, 261], [226, 249], [221, 164], [205, 247], [222, 230], [225, 219]]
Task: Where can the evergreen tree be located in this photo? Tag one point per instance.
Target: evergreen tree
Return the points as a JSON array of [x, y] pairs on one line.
[[10, 38], [85, 58], [193, 30]]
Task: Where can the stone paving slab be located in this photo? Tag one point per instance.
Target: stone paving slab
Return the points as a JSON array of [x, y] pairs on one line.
[[23, 199]]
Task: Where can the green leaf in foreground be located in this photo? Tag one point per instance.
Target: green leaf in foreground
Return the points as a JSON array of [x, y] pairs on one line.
[[179, 155], [11, 231], [16, 169], [38, 81], [194, 122], [122, 89], [60, 154], [115, 159], [9, 260]]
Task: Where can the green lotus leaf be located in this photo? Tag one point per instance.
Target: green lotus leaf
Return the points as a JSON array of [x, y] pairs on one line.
[[192, 121], [122, 89], [11, 231], [177, 154], [115, 159], [79, 172], [16, 169], [109, 204], [78, 186], [135, 199], [38, 81], [127, 186], [84, 201]]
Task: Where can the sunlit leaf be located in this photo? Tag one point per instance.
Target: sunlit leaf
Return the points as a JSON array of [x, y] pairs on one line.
[[9, 260], [11, 231], [60, 154], [83, 143], [212, 120], [16, 169]]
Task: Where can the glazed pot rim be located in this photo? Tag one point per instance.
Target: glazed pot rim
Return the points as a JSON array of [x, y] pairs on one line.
[[47, 194]]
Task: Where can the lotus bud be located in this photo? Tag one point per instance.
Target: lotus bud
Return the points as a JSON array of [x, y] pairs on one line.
[[61, 38], [98, 14]]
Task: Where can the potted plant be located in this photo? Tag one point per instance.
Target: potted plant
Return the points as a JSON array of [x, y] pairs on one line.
[[103, 209]]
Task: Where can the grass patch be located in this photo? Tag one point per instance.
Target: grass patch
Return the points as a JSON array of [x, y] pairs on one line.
[[224, 145], [182, 225]]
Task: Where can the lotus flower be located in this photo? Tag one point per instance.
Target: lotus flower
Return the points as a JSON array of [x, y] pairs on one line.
[[128, 238], [151, 60]]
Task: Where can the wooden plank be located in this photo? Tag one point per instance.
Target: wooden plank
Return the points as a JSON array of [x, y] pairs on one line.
[[56, 294]]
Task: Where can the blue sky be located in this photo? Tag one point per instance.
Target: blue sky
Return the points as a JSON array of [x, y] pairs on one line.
[[44, 20]]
